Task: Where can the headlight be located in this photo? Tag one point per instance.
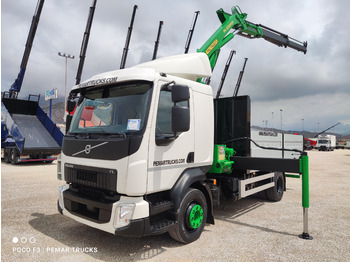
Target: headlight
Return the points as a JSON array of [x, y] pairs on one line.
[[123, 215], [60, 195], [62, 188]]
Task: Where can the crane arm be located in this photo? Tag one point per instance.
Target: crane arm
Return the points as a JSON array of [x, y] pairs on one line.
[[236, 24], [16, 86], [277, 38], [327, 129]]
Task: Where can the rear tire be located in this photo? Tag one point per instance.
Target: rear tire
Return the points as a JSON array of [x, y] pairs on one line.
[[14, 156], [191, 217], [7, 155], [275, 193]]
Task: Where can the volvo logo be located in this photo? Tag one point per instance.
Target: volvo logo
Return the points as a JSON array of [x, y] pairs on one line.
[[87, 149]]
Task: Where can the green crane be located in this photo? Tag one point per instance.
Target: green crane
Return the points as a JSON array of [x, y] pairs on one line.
[[240, 26]]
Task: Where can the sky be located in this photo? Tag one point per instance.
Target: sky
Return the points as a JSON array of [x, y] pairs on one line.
[[287, 88]]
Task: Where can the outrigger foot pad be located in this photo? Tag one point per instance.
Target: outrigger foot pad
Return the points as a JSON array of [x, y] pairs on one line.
[[306, 236]]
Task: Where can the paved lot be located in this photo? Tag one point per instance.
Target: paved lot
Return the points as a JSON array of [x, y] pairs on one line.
[[249, 230]]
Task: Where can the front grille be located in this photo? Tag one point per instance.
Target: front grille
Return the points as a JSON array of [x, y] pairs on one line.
[[101, 178], [89, 176]]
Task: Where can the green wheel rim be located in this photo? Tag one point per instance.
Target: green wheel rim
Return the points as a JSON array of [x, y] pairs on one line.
[[196, 216]]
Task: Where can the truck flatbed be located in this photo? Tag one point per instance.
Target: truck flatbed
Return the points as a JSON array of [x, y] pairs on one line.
[[36, 135]]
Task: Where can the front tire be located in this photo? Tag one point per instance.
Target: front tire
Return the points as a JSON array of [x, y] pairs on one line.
[[192, 216]]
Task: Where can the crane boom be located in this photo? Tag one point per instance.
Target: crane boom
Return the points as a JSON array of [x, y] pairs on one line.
[[190, 33], [279, 38], [127, 41], [240, 26], [17, 85], [327, 129], [239, 80], [85, 42], [223, 77], [156, 44]]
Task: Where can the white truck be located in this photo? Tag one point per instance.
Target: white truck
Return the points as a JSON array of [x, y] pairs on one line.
[[347, 145], [149, 151], [326, 142]]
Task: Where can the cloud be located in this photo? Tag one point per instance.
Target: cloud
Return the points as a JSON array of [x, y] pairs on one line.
[[274, 76], [319, 112]]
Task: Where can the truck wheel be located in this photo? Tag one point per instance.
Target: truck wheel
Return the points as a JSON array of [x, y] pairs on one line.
[[192, 216], [7, 155], [14, 156], [275, 193]]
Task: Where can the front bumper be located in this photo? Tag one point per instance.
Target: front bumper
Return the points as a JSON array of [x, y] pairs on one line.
[[129, 216]]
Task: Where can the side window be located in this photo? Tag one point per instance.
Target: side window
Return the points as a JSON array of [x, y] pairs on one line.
[[164, 122], [164, 114]]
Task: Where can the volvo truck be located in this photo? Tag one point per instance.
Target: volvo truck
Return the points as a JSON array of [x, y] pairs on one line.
[[149, 150]]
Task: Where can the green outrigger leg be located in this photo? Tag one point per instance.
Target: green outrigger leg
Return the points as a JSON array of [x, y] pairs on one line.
[[304, 173], [304, 170], [299, 167]]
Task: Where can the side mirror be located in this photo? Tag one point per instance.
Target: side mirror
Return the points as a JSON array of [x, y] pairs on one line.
[[180, 119], [68, 122], [180, 93], [70, 106]]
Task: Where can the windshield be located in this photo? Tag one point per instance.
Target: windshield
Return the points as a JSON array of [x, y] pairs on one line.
[[113, 109], [324, 141]]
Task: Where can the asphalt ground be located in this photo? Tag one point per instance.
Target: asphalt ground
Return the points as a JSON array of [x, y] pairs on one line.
[[251, 229]]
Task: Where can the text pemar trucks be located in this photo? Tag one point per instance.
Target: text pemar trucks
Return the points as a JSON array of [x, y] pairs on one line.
[[149, 150]]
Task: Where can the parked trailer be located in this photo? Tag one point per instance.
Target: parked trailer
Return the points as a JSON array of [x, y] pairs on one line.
[[30, 135], [281, 143]]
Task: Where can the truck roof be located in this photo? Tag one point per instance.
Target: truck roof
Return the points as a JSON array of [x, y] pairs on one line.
[[188, 66]]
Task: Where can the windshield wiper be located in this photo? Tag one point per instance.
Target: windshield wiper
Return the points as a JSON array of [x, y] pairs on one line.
[[79, 135], [97, 135], [114, 134]]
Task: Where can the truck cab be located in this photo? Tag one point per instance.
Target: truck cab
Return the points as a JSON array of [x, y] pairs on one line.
[[326, 142], [135, 136]]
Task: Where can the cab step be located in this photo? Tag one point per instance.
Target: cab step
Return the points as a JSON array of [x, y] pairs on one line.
[[160, 207], [162, 226]]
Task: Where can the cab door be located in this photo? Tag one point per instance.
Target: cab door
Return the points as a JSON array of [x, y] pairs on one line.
[[171, 152]]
